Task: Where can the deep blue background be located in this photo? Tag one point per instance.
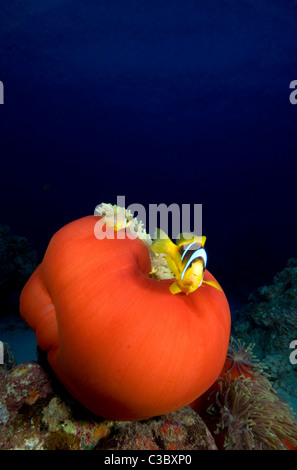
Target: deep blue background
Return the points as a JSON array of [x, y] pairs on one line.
[[163, 102]]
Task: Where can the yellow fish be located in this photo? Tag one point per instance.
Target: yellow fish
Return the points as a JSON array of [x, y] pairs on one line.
[[118, 221], [186, 259]]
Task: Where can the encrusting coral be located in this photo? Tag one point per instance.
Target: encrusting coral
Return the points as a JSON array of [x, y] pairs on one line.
[[36, 413]]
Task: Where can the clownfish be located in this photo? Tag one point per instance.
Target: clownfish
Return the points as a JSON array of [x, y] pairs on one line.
[[118, 222], [187, 260]]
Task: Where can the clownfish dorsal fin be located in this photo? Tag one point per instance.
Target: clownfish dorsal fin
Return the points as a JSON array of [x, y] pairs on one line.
[[163, 244], [189, 238]]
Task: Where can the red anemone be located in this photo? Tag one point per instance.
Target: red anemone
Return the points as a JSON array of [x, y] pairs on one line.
[[120, 342]]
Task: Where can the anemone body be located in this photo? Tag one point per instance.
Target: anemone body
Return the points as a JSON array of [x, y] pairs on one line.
[[119, 341]]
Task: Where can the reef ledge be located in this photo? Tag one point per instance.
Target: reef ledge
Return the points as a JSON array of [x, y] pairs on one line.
[[37, 413]]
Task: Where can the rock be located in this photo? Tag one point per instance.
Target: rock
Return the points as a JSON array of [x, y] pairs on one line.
[[36, 412], [181, 430]]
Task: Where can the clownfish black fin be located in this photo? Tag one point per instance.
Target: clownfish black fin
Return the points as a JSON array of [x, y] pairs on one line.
[[189, 238]]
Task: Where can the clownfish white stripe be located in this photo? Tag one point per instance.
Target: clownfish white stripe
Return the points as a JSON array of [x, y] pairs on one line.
[[201, 253], [188, 247], [115, 221]]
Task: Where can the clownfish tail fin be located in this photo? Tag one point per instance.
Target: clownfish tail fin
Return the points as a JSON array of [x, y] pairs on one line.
[[212, 284]]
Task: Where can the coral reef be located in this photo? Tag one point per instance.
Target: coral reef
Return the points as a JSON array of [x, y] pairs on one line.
[[37, 413], [179, 430], [269, 320]]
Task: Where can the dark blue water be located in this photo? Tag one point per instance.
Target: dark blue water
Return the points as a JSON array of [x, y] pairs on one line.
[[162, 102], [184, 102]]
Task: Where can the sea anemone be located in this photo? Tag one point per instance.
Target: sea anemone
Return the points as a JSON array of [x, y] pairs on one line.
[[243, 410], [249, 415], [115, 336], [241, 360], [159, 267]]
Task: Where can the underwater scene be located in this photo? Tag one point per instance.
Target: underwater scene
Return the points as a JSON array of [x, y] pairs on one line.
[[148, 256]]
